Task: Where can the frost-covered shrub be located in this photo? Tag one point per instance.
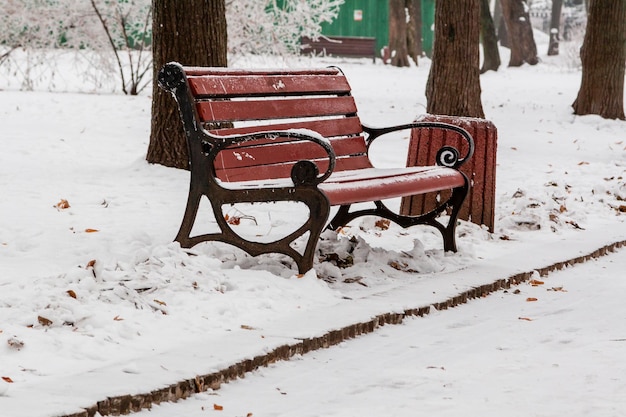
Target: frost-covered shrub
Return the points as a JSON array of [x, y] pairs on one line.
[[275, 27], [111, 38]]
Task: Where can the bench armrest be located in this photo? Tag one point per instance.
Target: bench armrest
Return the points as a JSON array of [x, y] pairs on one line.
[[304, 172], [447, 156]]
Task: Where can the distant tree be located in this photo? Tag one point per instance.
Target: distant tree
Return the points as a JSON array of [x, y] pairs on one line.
[[491, 54], [500, 24], [555, 27], [453, 86], [192, 32], [520, 32], [398, 34], [603, 57], [414, 29]]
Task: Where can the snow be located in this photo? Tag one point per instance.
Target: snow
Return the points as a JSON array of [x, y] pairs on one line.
[[96, 300]]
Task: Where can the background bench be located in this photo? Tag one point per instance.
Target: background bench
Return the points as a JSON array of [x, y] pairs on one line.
[[294, 135], [348, 46]]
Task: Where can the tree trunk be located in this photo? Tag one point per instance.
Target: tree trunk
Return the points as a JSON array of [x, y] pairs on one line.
[[520, 32], [192, 32], [453, 86], [491, 54], [397, 34], [603, 57], [414, 29], [555, 27], [498, 21]]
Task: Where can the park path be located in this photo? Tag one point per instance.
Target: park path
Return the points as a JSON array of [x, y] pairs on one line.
[[551, 346]]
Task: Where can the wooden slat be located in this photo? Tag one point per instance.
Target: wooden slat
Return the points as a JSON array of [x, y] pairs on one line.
[[267, 85], [221, 71], [273, 109], [283, 170], [292, 151], [343, 126], [370, 188]]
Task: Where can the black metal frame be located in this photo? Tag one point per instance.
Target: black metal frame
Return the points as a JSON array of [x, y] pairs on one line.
[[204, 148]]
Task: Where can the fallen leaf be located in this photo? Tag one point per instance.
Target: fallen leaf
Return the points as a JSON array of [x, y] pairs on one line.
[[557, 289], [7, 379], [15, 343], [235, 221], [249, 415], [71, 293], [536, 282], [91, 230], [91, 263], [246, 327], [159, 302], [525, 318], [218, 407], [44, 321], [583, 163], [382, 224], [62, 205], [117, 318], [531, 299]]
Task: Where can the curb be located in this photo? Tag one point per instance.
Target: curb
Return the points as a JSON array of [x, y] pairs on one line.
[[126, 404]]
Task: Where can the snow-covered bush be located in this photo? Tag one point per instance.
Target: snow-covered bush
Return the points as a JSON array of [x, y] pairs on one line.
[[110, 39], [275, 27]]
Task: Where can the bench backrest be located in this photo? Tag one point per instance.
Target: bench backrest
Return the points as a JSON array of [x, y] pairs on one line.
[[230, 101]]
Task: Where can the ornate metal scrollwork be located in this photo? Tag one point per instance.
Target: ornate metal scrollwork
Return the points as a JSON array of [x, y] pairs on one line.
[[447, 156]]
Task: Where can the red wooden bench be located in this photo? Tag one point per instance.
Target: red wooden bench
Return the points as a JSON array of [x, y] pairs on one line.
[[294, 135], [346, 46]]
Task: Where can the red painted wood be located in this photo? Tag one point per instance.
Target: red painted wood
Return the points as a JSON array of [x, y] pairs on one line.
[[480, 169], [379, 184], [207, 71], [342, 126], [275, 109], [283, 170], [292, 151], [268, 85]]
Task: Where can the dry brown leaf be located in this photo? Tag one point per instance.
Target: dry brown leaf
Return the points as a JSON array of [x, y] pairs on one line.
[[44, 321], [530, 299], [535, 282], [159, 302], [7, 379], [91, 230], [583, 163], [118, 318], [246, 327], [525, 318], [91, 263], [235, 221], [71, 293], [15, 343], [249, 415], [382, 224], [218, 407], [62, 205]]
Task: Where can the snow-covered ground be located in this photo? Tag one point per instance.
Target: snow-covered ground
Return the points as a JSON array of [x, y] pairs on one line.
[[96, 301]]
